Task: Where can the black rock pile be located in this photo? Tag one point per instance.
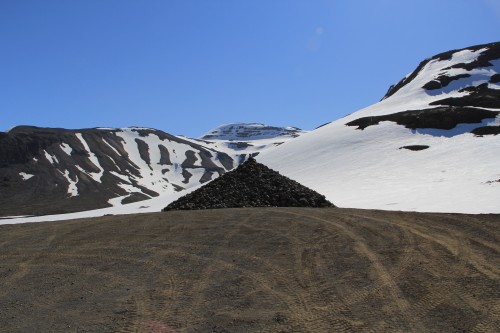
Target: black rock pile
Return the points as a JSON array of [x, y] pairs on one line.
[[252, 184]]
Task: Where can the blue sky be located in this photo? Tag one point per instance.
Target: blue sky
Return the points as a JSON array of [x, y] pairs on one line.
[[186, 66]]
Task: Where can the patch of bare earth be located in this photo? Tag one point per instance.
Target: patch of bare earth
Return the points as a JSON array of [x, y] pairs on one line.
[[253, 270]]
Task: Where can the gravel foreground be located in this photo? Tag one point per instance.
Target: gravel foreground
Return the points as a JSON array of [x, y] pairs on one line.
[[253, 270]]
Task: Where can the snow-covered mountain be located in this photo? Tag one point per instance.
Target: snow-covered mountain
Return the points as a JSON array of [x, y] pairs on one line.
[[430, 144], [47, 171], [248, 138], [251, 132]]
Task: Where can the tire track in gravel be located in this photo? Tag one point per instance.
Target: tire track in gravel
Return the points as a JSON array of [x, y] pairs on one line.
[[291, 297], [384, 275], [146, 311], [467, 246], [297, 291], [317, 320], [489, 324], [259, 279], [213, 266], [154, 304], [301, 292], [456, 246], [403, 263], [459, 248], [25, 266], [314, 270]]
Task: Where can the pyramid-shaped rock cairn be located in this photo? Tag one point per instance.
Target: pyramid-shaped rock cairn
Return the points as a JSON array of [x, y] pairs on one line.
[[252, 184]]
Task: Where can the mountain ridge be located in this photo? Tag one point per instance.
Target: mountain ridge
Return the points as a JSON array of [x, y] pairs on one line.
[[56, 170]]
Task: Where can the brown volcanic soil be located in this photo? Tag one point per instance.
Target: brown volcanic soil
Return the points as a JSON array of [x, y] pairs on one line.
[[253, 270]]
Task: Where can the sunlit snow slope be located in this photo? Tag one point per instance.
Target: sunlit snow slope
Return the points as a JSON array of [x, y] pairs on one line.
[[430, 145]]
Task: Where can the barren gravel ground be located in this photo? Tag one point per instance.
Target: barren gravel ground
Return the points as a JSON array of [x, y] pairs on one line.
[[253, 270]]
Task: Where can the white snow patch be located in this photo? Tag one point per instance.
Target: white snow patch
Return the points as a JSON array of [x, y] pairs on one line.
[[13, 217], [94, 175], [131, 189], [25, 176], [115, 202], [114, 162], [51, 158], [72, 187], [493, 86], [66, 148], [123, 177], [110, 146]]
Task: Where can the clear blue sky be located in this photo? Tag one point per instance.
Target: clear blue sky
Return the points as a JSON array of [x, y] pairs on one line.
[[186, 66]]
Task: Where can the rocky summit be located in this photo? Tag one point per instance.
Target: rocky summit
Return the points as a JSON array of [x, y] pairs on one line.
[[252, 184]]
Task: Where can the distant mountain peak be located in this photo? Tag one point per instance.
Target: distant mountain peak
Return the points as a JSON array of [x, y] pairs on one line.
[[250, 131]]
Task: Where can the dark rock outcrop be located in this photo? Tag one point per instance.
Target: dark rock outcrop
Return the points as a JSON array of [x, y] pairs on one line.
[[442, 81], [439, 118], [486, 130], [480, 96], [415, 147], [252, 184]]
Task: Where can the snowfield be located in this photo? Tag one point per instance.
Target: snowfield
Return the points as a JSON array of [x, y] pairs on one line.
[[367, 169], [458, 173]]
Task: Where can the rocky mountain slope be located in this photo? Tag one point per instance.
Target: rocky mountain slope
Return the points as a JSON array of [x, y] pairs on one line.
[[47, 171], [430, 144]]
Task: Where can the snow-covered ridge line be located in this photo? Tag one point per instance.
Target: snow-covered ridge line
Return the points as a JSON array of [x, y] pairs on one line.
[[250, 131]]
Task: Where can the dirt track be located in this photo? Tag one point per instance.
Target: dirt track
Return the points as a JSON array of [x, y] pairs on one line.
[[253, 270]]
